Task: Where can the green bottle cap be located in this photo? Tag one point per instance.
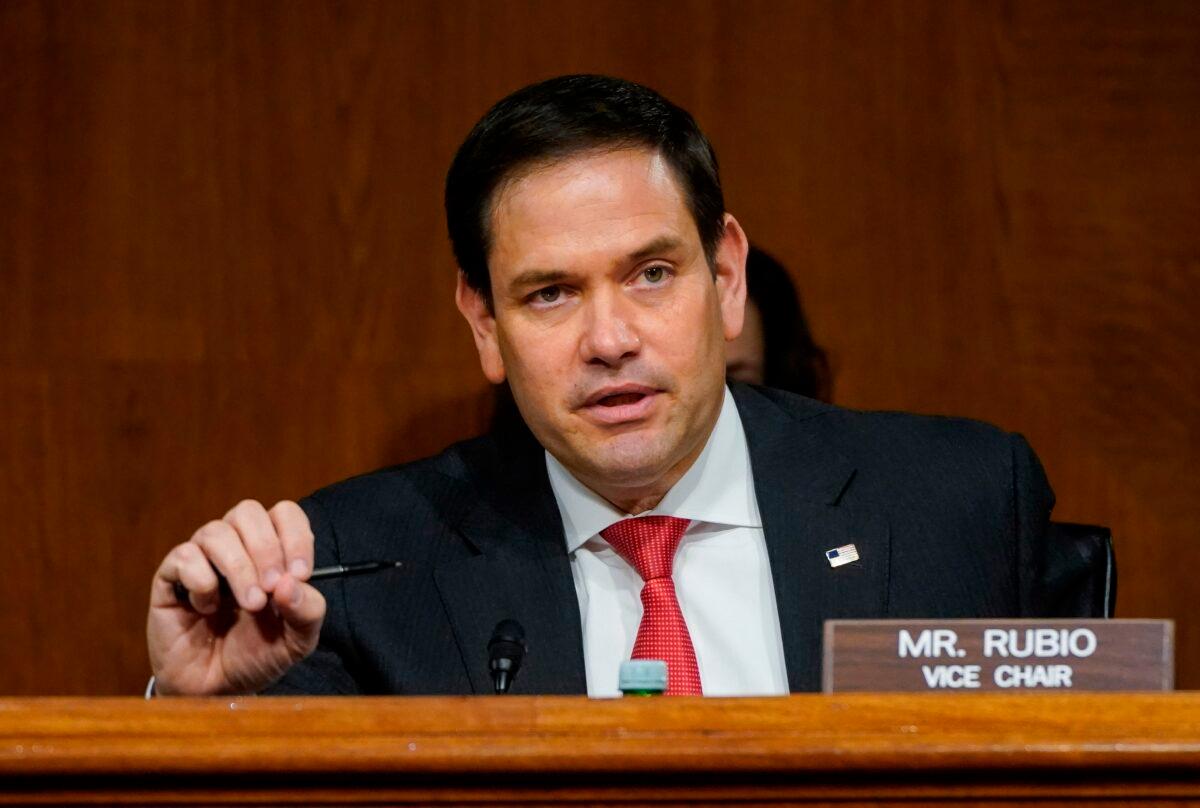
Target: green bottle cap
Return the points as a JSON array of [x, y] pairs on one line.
[[643, 677]]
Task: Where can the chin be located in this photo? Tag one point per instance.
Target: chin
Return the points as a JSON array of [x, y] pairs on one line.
[[631, 460]]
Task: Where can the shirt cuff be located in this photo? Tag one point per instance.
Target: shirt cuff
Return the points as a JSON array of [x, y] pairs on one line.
[[150, 689]]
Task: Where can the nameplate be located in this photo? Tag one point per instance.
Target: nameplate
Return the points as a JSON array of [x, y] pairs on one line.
[[998, 655]]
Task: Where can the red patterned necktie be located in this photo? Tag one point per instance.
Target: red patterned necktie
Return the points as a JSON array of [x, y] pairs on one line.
[[648, 543]]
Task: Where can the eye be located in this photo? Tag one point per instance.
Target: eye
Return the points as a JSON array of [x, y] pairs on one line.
[[547, 295], [655, 274]]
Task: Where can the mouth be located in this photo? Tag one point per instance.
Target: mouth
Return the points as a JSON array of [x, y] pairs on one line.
[[620, 404]]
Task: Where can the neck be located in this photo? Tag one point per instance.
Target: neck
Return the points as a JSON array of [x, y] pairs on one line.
[[640, 500]]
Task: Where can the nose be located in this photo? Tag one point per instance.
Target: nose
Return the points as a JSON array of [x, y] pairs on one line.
[[610, 335]]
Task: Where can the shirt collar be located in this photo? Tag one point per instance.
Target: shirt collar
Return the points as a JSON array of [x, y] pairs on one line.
[[717, 489]]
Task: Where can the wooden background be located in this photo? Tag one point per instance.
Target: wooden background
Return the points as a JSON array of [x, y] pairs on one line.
[[225, 274]]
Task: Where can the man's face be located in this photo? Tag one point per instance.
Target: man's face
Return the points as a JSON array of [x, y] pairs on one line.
[[607, 320]]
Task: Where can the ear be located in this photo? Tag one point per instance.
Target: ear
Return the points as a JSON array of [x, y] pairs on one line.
[[475, 309], [730, 276]]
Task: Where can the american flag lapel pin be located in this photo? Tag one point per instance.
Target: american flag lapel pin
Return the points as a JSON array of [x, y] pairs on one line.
[[842, 555]]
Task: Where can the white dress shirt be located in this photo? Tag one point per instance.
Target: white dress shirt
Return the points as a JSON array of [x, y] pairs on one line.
[[722, 573]]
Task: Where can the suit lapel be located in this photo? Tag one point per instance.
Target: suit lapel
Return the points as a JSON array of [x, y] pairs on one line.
[[522, 572], [803, 484]]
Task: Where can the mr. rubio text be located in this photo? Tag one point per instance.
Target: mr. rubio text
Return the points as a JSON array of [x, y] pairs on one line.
[[1039, 643]]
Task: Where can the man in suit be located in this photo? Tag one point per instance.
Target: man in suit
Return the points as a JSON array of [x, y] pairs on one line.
[[643, 508]]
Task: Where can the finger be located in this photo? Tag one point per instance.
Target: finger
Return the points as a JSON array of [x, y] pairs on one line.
[[296, 536], [186, 564], [250, 520], [200, 579], [300, 606], [224, 549]]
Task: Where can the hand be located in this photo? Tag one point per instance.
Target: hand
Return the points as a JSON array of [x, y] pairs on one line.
[[243, 644]]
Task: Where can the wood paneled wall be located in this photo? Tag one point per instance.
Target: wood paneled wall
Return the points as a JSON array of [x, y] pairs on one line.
[[223, 268]]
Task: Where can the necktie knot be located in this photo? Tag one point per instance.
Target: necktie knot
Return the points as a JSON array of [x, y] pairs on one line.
[[647, 543]]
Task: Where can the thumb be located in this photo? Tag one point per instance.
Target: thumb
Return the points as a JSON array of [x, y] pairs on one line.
[[301, 608]]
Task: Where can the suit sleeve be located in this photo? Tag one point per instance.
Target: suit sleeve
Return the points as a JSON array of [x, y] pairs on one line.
[[327, 671], [1033, 500]]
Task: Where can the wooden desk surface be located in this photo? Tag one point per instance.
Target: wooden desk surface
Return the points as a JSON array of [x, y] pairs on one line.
[[526, 749]]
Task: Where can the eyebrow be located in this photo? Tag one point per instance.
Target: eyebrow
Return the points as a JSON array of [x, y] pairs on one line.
[[547, 277], [536, 277], [661, 244]]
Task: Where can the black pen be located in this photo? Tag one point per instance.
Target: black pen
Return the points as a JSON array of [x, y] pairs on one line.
[[319, 574]]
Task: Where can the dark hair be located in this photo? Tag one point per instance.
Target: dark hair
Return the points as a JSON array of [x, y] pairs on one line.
[[791, 359], [556, 119]]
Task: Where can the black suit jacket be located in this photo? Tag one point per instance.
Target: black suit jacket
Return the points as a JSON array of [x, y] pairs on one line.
[[948, 516]]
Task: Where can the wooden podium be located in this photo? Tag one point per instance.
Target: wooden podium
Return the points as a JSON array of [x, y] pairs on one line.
[[1019, 749]]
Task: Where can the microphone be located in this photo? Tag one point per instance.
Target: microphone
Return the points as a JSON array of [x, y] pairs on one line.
[[506, 649]]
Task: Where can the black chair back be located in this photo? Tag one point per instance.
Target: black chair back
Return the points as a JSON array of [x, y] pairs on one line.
[[1081, 571]]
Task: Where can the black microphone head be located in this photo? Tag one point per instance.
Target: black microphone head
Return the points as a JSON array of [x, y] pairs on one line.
[[506, 650], [508, 631]]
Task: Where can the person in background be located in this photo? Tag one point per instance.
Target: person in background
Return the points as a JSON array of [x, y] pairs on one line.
[[776, 347]]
